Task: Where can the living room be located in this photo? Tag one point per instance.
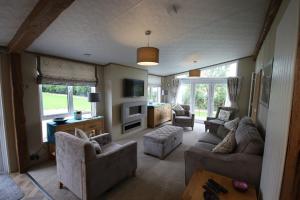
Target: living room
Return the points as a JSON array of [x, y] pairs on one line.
[[149, 99]]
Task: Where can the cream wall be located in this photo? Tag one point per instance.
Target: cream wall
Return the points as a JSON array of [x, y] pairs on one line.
[[245, 68], [32, 111], [113, 81]]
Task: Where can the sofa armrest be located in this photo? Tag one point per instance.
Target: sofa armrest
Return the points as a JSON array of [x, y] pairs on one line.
[[103, 139], [239, 166]]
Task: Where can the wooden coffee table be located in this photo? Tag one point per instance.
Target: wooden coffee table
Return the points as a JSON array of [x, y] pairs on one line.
[[194, 190]]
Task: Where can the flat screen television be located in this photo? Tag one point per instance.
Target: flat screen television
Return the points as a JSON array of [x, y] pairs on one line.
[[133, 88]]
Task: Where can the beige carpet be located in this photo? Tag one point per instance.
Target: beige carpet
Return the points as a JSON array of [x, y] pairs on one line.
[[155, 179]]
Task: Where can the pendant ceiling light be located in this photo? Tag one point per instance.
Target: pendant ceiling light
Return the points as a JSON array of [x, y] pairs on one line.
[[147, 55], [195, 73]]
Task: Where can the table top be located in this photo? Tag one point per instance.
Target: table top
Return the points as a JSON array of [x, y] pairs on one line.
[[72, 120], [194, 190]]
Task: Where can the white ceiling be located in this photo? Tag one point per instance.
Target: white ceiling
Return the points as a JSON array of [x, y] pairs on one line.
[[12, 15], [210, 32]]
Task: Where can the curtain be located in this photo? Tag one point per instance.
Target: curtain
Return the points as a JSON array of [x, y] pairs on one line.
[[64, 72], [234, 86], [174, 90]]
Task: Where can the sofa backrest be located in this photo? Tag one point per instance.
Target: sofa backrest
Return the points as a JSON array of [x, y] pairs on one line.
[[248, 138]]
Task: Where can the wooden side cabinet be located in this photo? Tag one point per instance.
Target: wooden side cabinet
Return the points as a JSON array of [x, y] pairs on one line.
[[158, 114], [92, 127]]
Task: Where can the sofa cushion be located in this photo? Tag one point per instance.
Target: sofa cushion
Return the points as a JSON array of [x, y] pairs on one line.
[[222, 132], [210, 138], [227, 145], [204, 146], [248, 139], [232, 125], [110, 147], [246, 121]]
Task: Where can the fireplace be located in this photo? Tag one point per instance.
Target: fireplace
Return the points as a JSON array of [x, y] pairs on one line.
[[132, 115], [135, 110]]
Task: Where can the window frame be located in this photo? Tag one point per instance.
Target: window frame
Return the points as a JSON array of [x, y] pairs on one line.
[[69, 102], [158, 92]]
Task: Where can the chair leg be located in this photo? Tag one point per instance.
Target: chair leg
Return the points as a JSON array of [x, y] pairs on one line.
[[60, 185]]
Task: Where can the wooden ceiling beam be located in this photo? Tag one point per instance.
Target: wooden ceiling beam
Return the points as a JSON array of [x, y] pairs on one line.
[[270, 16], [42, 15]]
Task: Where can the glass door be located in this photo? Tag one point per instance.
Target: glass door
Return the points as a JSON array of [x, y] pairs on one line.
[[201, 101], [219, 97]]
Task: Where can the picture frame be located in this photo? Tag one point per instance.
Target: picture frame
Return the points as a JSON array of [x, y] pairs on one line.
[[266, 82]]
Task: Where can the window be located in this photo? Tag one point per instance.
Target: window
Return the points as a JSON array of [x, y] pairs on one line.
[[154, 93], [62, 101], [184, 94], [218, 71]]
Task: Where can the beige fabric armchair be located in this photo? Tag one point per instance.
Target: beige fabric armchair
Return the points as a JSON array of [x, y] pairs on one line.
[[88, 174]]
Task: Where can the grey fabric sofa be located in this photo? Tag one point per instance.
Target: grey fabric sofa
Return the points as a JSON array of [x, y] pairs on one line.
[[88, 174], [183, 120], [243, 164]]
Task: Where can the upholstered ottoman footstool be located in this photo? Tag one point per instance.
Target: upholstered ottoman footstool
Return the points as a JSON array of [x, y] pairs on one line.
[[162, 141]]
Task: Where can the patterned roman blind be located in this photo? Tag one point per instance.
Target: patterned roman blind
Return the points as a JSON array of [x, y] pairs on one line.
[[64, 72]]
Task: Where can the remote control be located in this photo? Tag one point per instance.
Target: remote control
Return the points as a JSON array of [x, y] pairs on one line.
[[217, 185], [205, 187], [213, 187], [210, 196]]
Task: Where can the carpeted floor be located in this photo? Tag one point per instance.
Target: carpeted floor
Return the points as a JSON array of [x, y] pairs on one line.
[[155, 179]]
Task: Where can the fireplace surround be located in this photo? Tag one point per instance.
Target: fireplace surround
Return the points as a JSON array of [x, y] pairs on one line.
[[132, 115]]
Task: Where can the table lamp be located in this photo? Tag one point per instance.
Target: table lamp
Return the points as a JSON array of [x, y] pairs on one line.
[[94, 98]]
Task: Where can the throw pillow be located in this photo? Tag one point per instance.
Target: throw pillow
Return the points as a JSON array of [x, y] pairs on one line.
[[178, 109], [224, 115], [96, 146], [233, 124], [227, 145], [81, 134]]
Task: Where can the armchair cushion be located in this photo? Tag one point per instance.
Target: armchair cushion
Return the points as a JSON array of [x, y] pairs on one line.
[[216, 121], [224, 115], [103, 139], [96, 146], [111, 147], [178, 110]]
